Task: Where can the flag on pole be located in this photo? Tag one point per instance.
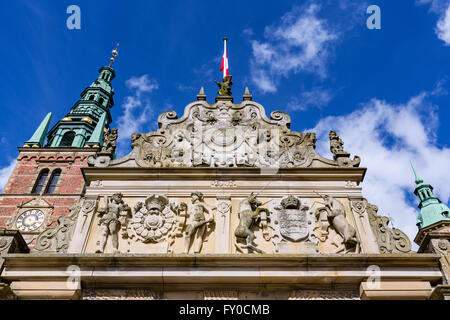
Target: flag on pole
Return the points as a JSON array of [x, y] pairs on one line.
[[224, 64]]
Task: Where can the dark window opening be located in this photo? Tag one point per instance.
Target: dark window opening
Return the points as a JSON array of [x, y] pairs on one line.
[[40, 182], [67, 139], [53, 181], [91, 98], [101, 100]]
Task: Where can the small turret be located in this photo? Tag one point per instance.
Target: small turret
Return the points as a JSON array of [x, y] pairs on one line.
[[432, 210]]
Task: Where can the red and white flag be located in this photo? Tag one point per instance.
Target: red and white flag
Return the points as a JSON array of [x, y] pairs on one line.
[[224, 65]]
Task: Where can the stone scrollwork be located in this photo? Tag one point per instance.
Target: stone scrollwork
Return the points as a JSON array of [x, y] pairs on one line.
[[390, 240], [224, 134], [57, 239], [332, 214]]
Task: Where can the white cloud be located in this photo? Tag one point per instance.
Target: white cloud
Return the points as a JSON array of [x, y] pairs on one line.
[[387, 137], [443, 27], [5, 173], [300, 43], [317, 97], [442, 9], [436, 6], [136, 111]]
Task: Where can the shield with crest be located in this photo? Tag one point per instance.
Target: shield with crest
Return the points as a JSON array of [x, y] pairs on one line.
[[293, 220]]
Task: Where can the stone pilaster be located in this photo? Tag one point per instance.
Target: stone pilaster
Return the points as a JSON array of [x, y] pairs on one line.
[[223, 215]]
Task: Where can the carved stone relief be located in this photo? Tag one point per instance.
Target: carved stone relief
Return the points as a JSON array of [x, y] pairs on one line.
[[223, 184], [113, 218], [222, 231], [153, 220], [341, 156], [200, 223], [220, 295], [293, 224], [333, 226], [57, 239], [225, 135], [390, 240], [251, 214], [120, 294], [324, 295]]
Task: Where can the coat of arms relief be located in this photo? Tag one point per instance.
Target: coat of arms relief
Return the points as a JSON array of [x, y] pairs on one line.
[[294, 226]]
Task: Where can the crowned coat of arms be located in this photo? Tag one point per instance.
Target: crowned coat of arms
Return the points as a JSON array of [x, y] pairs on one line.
[[293, 219]]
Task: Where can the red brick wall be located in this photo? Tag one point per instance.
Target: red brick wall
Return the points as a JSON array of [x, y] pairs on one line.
[[29, 164]]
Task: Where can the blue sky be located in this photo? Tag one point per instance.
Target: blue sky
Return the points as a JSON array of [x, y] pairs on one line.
[[384, 91]]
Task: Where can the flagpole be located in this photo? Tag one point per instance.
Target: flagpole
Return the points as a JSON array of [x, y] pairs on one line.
[[225, 39]]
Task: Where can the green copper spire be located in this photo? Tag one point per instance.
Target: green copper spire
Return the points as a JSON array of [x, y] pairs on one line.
[[431, 209], [38, 138], [96, 139], [78, 126], [418, 179]]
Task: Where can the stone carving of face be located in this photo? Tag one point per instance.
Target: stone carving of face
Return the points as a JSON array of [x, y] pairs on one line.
[[194, 198], [117, 197], [255, 203], [153, 210]]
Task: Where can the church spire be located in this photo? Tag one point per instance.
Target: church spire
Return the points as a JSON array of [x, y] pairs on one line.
[[431, 209], [76, 128]]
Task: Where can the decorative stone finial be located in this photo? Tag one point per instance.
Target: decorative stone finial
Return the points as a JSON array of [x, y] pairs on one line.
[[201, 96], [247, 96]]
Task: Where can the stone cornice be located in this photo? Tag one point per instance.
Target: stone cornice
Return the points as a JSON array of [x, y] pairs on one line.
[[224, 260], [311, 174]]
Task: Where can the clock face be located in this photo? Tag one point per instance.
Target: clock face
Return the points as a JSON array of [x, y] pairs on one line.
[[30, 220]]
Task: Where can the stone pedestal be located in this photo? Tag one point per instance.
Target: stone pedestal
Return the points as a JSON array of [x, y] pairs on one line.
[[225, 98]]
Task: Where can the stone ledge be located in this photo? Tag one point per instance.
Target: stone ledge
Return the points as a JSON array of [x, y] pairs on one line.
[[224, 260], [332, 173], [398, 290]]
